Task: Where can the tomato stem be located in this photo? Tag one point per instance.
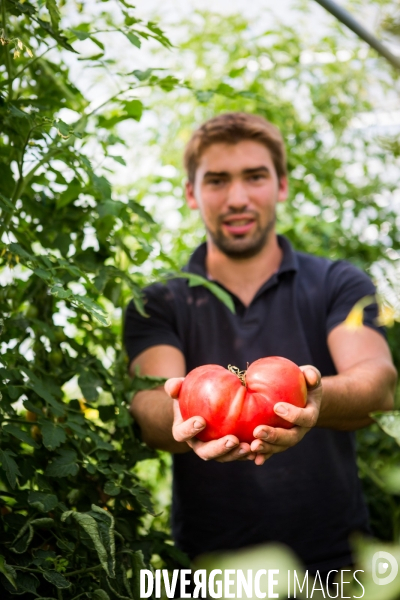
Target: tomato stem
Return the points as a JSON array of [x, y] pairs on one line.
[[240, 374]]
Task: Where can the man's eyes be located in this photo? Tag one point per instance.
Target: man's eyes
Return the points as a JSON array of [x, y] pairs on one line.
[[219, 181], [216, 181], [256, 177]]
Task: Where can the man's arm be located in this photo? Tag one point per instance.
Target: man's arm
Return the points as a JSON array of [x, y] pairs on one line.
[[365, 382], [153, 409], [159, 417]]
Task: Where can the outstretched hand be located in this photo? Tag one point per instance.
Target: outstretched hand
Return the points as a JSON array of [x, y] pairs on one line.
[[225, 449], [272, 440], [268, 440]]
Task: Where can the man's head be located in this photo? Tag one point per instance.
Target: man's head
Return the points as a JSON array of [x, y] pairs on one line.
[[236, 174]]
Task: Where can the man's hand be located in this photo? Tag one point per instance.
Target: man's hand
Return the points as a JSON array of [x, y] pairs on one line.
[[271, 440], [225, 449]]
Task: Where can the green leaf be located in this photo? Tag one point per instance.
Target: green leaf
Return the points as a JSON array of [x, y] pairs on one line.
[[225, 297], [100, 595], [389, 422], [97, 42], [63, 129], [92, 307], [111, 488], [139, 210], [42, 501], [21, 543], [133, 39], [28, 405], [89, 382], [18, 249], [80, 431], [138, 565], [118, 159], [53, 435], [45, 275], [64, 465], [26, 533], [54, 13], [26, 582], [105, 522], [134, 109], [56, 579], [60, 292], [124, 417], [7, 571], [109, 207], [20, 434], [10, 466], [70, 194], [5, 203], [81, 35], [19, 114], [144, 498], [100, 443], [91, 527], [40, 388], [142, 75]]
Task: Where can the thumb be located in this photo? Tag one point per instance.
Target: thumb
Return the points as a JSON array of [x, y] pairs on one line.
[[173, 386], [311, 375]]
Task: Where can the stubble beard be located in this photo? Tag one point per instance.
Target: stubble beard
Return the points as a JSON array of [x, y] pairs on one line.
[[242, 247]]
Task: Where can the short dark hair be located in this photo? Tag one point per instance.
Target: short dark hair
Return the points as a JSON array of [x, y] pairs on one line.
[[231, 128]]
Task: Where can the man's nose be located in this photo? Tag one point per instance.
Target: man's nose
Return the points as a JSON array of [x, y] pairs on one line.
[[237, 195]]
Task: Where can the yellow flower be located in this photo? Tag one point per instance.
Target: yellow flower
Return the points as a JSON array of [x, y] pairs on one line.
[[92, 414]]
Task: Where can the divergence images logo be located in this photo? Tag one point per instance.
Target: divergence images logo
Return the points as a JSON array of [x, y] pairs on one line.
[[380, 564]]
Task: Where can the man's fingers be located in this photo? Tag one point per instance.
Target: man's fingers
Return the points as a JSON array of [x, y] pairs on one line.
[[173, 386], [276, 439], [183, 431], [261, 458], [311, 375], [303, 417], [225, 449]]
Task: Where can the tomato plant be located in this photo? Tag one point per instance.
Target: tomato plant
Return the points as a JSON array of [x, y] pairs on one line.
[[236, 402]]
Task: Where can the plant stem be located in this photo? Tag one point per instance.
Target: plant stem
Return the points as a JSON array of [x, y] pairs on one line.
[[71, 574], [31, 62], [17, 421], [14, 199], [22, 182], [80, 571], [6, 52]]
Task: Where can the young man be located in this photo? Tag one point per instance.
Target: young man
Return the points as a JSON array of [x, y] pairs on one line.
[[298, 486]]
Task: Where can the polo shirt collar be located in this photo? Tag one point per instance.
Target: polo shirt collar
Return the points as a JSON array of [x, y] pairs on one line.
[[197, 262]]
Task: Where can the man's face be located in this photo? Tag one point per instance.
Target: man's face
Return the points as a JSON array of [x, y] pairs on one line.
[[236, 189]]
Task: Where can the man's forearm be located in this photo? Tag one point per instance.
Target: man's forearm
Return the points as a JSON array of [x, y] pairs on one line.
[[153, 411], [349, 397]]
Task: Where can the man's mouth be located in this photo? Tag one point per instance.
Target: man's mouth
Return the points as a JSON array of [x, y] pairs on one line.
[[238, 225]]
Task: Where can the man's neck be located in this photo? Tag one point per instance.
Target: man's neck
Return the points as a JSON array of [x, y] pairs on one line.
[[244, 277]]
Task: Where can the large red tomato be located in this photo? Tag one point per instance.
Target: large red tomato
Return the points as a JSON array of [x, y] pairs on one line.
[[237, 402]]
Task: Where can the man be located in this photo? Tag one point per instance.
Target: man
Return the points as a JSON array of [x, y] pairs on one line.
[[297, 486]]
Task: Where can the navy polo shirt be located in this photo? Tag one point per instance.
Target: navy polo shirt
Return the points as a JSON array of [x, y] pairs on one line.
[[308, 497]]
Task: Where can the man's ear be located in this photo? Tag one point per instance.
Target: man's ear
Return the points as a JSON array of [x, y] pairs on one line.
[[189, 193], [283, 190]]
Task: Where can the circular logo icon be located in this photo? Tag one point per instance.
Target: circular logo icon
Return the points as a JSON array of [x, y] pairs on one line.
[[380, 565]]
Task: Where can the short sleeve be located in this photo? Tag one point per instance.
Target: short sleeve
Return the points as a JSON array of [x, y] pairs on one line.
[[159, 327], [346, 285]]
